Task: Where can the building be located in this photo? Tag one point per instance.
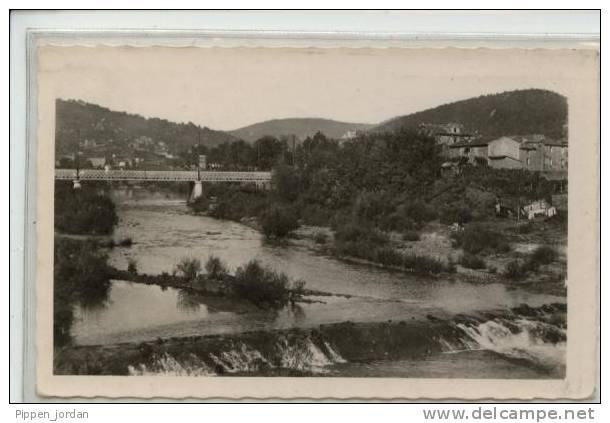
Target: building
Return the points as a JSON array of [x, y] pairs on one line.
[[531, 152], [503, 153], [446, 134], [97, 162], [469, 149], [545, 154]]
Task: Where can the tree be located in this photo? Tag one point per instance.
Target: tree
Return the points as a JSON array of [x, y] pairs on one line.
[[189, 268], [216, 268], [278, 222], [286, 182]]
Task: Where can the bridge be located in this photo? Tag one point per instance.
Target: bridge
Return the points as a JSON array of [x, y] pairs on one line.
[[77, 175]]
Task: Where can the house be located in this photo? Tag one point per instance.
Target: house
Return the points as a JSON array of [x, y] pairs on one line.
[[503, 153], [531, 152], [446, 134], [544, 154], [469, 149], [97, 162]]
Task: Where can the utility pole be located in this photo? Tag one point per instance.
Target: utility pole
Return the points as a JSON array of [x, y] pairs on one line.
[[76, 154], [198, 160]]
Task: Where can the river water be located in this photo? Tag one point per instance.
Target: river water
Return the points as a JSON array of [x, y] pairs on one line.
[[163, 231]]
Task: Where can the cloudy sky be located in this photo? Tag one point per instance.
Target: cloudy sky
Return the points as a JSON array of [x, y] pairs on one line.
[[227, 88]]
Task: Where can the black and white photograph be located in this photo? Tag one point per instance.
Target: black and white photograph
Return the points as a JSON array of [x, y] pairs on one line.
[[278, 213]]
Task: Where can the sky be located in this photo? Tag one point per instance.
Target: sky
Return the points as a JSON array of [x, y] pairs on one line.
[[228, 88]]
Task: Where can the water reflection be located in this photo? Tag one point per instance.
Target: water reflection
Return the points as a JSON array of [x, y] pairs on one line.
[[188, 301]]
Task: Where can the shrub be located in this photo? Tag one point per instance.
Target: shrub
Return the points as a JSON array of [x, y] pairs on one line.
[[389, 257], [125, 242], [455, 213], [261, 285], [543, 255], [278, 222], [189, 268], [515, 270], [200, 204], [471, 261], [82, 211], [419, 211], [352, 232], [525, 228], [216, 268], [359, 241], [424, 265], [234, 202], [410, 236], [477, 239], [370, 206], [132, 266], [320, 237], [286, 182]]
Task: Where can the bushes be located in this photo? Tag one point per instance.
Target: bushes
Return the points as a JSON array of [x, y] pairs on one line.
[[82, 211], [262, 286], [389, 257], [455, 213], [278, 222], [132, 266], [233, 202], [353, 232], [477, 239], [471, 261], [359, 241], [424, 265], [410, 236], [189, 268], [516, 270], [543, 255], [216, 268], [320, 237]]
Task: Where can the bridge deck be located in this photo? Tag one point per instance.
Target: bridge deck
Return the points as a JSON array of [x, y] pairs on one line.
[[161, 175]]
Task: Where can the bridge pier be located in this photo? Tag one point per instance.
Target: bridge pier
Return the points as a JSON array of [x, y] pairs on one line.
[[197, 190], [76, 184]]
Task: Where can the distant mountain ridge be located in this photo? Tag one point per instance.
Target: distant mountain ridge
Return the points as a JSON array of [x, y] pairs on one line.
[[77, 119], [300, 127], [520, 112]]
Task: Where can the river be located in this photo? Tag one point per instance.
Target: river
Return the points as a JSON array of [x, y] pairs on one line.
[[163, 231]]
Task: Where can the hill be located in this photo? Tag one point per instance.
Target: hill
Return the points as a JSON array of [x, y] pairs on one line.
[[519, 112], [300, 127], [113, 132]]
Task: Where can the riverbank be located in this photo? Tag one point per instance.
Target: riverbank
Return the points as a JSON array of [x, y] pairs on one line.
[[315, 351], [435, 240]]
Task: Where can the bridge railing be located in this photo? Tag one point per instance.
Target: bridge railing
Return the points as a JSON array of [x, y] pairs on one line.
[[161, 175]]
